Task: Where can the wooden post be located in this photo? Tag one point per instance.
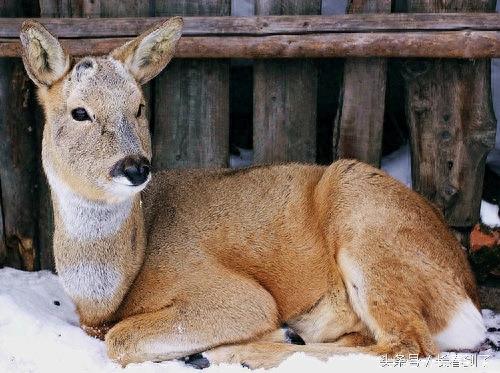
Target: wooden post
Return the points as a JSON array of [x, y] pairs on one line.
[[285, 92], [452, 124], [3, 247], [17, 157], [191, 126], [362, 109], [85, 8]]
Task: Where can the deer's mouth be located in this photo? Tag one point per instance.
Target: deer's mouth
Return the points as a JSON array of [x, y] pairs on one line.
[[126, 182], [121, 188]]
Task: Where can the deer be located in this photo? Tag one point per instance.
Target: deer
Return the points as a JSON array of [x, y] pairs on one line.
[[244, 266]]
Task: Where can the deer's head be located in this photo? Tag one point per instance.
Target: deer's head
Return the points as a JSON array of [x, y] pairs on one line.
[[96, 137]]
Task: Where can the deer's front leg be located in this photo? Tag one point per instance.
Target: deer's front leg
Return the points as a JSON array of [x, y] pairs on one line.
[[227, 310]]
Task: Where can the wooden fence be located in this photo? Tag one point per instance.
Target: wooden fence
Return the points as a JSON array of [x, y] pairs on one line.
[[447, 97]]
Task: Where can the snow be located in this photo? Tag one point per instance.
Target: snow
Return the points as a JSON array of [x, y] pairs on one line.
[[245, 159], [489, 214], [39, 333], [398, 165]]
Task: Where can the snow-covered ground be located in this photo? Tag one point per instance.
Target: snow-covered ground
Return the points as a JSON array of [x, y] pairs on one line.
[[39, 333]]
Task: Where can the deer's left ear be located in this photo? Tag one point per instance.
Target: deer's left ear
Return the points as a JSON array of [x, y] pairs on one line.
[[148, 54], [44, 58]]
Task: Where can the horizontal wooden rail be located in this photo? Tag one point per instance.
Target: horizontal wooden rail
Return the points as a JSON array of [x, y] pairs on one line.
[[473, 35], [264, 25]]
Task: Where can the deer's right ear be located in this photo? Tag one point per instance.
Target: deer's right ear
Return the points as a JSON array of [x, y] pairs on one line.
[[149, 53], [44, 58]]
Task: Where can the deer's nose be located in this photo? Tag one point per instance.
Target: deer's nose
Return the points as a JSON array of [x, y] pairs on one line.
[[134, 168]]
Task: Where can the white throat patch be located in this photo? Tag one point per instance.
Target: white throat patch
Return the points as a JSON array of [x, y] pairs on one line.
[[84, 219]]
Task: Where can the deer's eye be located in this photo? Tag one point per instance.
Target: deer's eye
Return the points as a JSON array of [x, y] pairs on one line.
[[140, 110], [80, 114]]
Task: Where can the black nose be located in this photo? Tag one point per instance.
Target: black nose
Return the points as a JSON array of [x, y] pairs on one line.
[[135, 169]]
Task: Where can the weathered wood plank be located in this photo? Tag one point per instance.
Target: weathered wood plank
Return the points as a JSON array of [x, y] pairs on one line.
[[415, 35], [79, 12], [452, 124], [191, 126], [455, 6], [44, 203], [67, 8], [284, 116], [432, 44], [3, 247], [17, 158], [263, 25], [363, 99]]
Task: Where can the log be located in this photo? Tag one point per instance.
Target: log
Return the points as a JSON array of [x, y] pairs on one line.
[[284, 115], [76, 28], [452, 125], [17, 159], [191, 127], [363, 99], [432, 44]]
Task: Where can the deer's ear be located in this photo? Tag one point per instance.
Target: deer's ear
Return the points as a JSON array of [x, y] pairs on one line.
[[149, 53], [44, 58]]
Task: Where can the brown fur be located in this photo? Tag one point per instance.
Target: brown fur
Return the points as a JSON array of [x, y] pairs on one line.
[[217, 260]]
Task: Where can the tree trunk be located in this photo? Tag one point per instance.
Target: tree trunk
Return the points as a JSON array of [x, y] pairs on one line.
[[285, 97], [452, 123]]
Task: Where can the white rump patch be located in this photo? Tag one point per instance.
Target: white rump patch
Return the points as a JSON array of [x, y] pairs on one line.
[[464, 331], [489, 214]]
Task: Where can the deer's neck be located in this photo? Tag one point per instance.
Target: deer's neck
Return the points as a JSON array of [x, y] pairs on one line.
[[86, 220], [98, 249]]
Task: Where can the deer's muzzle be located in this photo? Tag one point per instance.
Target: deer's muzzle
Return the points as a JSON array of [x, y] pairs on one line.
[[134, 169]]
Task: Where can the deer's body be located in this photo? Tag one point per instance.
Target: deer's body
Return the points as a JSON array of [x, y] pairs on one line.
[[215, 261]]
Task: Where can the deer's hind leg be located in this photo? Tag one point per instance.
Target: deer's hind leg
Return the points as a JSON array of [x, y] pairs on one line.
[[268, 355], [386, 295], [226, 309]]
